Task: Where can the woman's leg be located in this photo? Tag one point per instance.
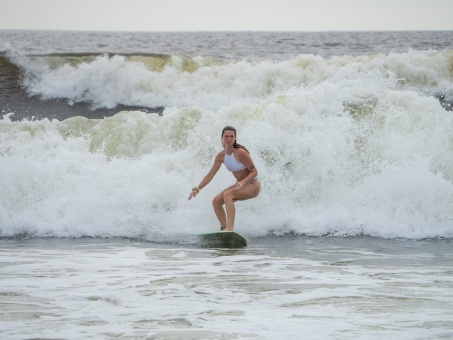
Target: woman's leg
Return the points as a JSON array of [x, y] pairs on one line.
[[217, 204], [230, 195]]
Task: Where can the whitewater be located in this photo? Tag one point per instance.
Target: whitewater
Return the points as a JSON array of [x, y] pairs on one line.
[[103, 135], [345, 146]]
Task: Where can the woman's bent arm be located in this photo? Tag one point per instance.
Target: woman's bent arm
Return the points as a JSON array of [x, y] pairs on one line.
[[210, 175]]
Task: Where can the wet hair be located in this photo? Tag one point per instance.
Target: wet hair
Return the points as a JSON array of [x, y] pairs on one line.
[[236, 144]]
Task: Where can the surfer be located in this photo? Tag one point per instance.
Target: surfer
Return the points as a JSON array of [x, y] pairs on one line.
[[237, 160]]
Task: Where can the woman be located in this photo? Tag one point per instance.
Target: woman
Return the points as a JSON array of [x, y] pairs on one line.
[[237, 160]]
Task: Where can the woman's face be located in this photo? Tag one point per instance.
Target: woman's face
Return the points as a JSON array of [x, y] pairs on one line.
[[228, 137]]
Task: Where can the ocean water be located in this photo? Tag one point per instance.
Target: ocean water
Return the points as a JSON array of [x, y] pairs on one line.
[[286, 288], [103, 134]]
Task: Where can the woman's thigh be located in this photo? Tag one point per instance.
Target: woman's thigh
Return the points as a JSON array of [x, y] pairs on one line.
[[248, 191]]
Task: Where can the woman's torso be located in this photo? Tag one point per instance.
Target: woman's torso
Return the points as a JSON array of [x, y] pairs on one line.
[[238, 169]]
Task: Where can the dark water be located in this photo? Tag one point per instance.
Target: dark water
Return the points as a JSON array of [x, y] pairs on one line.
[[233, 45]]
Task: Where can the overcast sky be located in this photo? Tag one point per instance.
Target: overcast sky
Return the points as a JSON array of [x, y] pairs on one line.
[[227, 15]]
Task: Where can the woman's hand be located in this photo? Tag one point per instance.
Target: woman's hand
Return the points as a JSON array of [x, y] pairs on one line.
[[194, 192], [238, 185]]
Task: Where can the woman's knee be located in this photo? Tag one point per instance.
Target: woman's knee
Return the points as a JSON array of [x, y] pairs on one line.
[[217, 200], [228, 195]]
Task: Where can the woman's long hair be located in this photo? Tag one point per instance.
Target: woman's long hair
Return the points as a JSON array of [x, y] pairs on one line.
[[236, 144]]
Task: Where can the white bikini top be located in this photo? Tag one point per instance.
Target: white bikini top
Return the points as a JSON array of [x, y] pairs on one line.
[[232, 164]]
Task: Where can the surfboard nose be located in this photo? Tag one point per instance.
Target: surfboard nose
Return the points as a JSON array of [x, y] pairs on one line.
[[222, 239]]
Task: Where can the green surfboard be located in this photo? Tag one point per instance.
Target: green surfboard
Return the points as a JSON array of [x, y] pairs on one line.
[[222, 239]]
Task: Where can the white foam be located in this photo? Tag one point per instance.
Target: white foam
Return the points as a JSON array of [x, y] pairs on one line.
[[342, 154], [205, 82]]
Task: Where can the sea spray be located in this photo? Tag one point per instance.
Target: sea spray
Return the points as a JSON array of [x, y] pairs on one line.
[[336, 158], [105, 81], [351, 145]]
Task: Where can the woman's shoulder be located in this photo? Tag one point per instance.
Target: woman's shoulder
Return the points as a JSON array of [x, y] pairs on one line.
[[220, 156], [240, 152]]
